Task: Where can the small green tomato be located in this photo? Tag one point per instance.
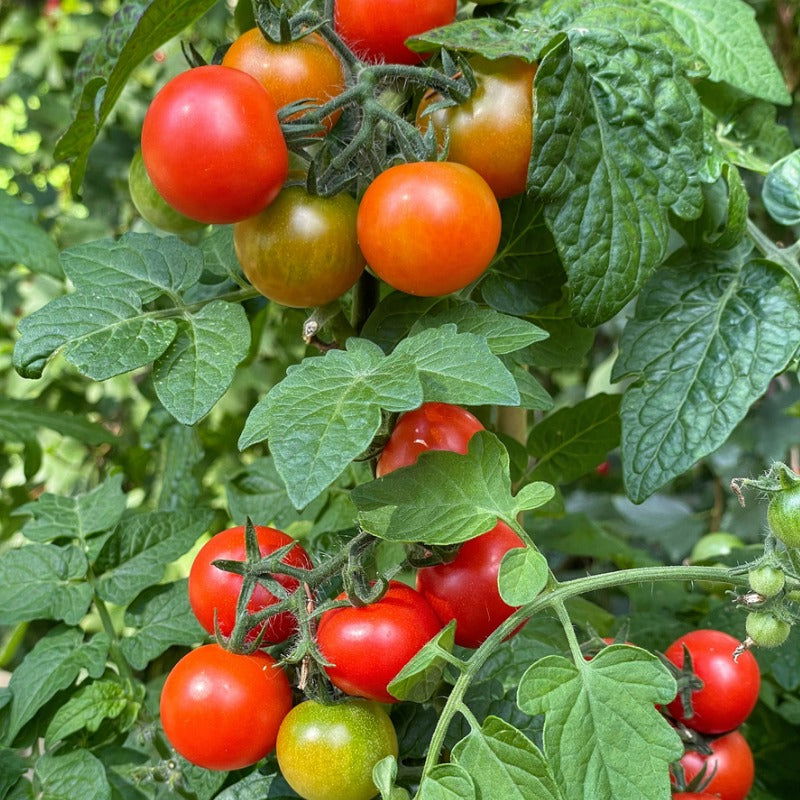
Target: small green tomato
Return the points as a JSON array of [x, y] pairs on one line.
[[783, 515], [766, 630], [767, 581]]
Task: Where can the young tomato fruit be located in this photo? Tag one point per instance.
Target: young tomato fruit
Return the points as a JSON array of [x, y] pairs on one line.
[[368, 646], [783, 516], [222, 711], [466, 589], [306, 69], [492, 132], [731, 765], [213, 590], [767, 581], [327, 752], [730, 688], [377, 31], [766, 630], [301, 251], [432, 426], [152, 206], [429, 228], [212, 145]]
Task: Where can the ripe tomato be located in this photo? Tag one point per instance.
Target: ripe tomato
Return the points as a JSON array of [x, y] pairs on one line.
[[212, 589], [222, 711], [783, 515], [152, 206], [466, 589], [731, 764], [429, 228], [492, 132], [327, 752], [368, 646], [432, 426], [377, 31], [301, 251], [694, 796], [212, 145], [306, 69], [730, 689]]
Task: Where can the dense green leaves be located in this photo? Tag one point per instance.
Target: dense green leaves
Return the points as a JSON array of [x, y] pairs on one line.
[[75, 774], [447, 782], [709, 334], [21, 419], [22, 241]]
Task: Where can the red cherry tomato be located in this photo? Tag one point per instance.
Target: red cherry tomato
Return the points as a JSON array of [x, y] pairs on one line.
[[466, 589], [306, 69], [212, 145], [694, 796], [368, 646], [429, 228], [432, 426], [212, 589], [731, 765], [730, 688], [223, 711], [603, 469], [376, 30]]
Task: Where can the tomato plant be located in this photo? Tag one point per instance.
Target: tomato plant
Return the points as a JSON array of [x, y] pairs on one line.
[[207, 695], [730, 767], [493, 132], [429, 229], [301, 251], [730, 686], [224, 121], [392, 630], [783, 515], [343, 741]]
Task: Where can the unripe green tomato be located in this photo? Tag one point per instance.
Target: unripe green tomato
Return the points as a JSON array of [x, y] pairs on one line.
[[767, 581], [328, 751], [152, 206], [244, 16], [783, 515], [713, 546], [794, 595], [766, 630]]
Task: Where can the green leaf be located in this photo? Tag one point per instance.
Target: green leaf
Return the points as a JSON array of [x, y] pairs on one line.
[[253, 787], [421, 677], [140, 549], [503, 762], [395, 314], [141, 263], [71, 775], [204, 783], [42, 581], [326, 412], [619, 133], [130, 36], [92, 704], [198, 366], [162, 618], [781, 190], [20, 420], [181, 482], [57, 517], [219, 256], [725, 34], [592, 707], [446, 498], [568, 343], [102, 334], [447, 782], [12, 768], [22, 241], [53, 664], [695, 378], [574, 440], [523, 575], [458, 368], [532, 394]]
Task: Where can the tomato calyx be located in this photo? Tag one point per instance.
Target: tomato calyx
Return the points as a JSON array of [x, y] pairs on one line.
[[688, 682]]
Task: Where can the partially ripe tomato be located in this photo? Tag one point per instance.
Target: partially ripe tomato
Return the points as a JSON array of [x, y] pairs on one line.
[[212, 145], [327, 752], [301, 251], [368, 646], [465, 590], [214, 590], [377, 31], [429, 228], [222, 711], [492, 131], [730, 688], [305, 69], [731, 764], [432, 426]]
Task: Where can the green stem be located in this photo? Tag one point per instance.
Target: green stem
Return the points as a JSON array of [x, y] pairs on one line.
[[124, 668], [569, 631], [783, 256], [11, 642]]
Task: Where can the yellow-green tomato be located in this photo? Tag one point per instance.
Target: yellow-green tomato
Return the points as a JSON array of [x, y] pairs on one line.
[[152, 206], [327, 752]]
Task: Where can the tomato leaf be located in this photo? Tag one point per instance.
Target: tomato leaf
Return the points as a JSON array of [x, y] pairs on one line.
[[20, 421], [523, 575], [12, 768], [446, 498], [22, 241], [780, 190], [447, 782], [419, 680], [614, 695], [75, 774], [723, 308]]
